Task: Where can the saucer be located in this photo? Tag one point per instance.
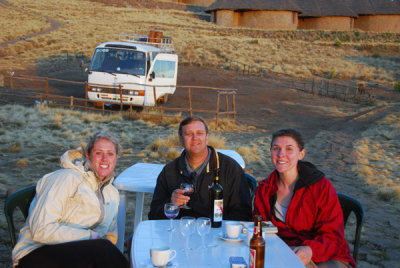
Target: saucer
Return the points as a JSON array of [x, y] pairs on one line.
[[229, 239]]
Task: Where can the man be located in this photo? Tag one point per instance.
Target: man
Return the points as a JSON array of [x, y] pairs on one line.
[[197, 165]]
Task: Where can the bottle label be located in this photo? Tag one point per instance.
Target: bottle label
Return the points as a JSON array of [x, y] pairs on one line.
[[252, 261], [255, 230], [218, 210]]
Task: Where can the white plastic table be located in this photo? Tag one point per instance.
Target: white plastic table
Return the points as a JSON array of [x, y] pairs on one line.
[[142, 178], [154, 233]]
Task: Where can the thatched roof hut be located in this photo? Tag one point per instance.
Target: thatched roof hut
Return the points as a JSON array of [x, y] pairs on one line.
[[325, 15], [376, 15], [272, 14], [205, 3], [360, 7]]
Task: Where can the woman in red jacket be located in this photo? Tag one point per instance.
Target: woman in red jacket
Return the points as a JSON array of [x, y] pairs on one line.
[[303, 204]]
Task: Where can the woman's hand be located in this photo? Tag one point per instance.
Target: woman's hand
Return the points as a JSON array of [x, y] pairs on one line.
[[304, 253], [178, 199]]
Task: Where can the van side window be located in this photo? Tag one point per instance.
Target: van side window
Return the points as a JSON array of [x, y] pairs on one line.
[[164, 69]]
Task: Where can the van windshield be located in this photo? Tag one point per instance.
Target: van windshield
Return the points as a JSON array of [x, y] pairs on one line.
[[116, 60]]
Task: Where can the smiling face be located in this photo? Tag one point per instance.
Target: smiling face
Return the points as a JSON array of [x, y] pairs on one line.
[[285, 153], [195, 138], [103, 157]]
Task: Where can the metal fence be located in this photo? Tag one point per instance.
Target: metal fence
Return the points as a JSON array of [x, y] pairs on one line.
[[221, 103], [315, 86]]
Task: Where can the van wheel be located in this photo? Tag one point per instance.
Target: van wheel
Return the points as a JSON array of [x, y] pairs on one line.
[[163, 99]]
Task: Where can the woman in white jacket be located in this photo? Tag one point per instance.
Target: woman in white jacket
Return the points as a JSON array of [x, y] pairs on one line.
[[72, 218]]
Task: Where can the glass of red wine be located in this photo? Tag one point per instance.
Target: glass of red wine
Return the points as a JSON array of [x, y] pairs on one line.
[[171, 211], [189, 189]]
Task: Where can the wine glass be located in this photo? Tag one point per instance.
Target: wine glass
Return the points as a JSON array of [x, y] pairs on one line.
[[203, 226], [187, 227], [171, 211], [189, 189]]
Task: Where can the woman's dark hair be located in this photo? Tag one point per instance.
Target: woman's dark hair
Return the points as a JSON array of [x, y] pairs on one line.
[[103, 135], [189, 120], [289, 132]]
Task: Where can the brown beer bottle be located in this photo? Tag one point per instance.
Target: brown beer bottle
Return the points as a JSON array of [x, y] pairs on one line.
[[257, 245]]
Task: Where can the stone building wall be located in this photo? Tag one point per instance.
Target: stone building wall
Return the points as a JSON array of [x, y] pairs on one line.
[[333, 23], [378, 23], [205, 3], [271, 20]]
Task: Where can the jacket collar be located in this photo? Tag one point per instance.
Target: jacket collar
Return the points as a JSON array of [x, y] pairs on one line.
[[308, 174], [210, 167]]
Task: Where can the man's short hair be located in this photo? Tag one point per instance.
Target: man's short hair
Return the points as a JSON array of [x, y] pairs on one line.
[[189, 120]]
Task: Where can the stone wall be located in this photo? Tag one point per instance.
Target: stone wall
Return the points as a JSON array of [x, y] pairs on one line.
[[378, 23], [334, 23], [224, 17], [271, 20], [205, 3]]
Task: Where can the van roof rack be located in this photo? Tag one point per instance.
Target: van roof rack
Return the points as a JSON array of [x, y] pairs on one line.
[[154, 39]]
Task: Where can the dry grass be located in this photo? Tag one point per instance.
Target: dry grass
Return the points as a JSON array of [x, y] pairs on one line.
[[299, 53], [13, 24], [377, 157]]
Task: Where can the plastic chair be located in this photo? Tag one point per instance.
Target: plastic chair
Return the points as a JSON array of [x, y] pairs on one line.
[[252, 184], [22, 199], [349, 204]]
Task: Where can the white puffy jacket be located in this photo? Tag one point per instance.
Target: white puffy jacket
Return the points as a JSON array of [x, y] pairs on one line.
[[69, 205]]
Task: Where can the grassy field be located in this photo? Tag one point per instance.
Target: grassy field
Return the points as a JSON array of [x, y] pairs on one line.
[[356, 55], [365, 164]]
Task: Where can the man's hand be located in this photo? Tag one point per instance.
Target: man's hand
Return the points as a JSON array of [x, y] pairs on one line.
[[178, 199], [304, 253]]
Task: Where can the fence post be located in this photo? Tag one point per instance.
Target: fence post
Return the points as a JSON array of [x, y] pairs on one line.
[[154, 95], [47, 90], [234, 106], [216, 115], [86, 95], [190, 101], [11, 81], [120, 97], [312, 86], [327, 88], [227, 104], [335, 90]]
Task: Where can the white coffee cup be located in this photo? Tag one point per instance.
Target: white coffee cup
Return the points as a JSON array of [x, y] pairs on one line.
[[161, 255], [233, 229]]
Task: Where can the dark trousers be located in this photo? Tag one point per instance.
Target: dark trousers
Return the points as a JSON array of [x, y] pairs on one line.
[[78, 254]]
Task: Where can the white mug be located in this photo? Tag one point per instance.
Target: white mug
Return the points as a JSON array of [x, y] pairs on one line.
[[161, 255], [233, 229]]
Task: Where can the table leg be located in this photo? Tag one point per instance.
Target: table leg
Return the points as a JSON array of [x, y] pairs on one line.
[[138, 209], [121, 220]]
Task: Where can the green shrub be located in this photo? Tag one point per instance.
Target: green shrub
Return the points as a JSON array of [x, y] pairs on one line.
[[332, 74], [397, 86], [357, 33], [338, 43]]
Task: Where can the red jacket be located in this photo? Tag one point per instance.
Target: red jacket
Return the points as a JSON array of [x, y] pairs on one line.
[[314, 217]]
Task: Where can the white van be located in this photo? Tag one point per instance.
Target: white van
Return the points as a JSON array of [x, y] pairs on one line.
[[138, 65]]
